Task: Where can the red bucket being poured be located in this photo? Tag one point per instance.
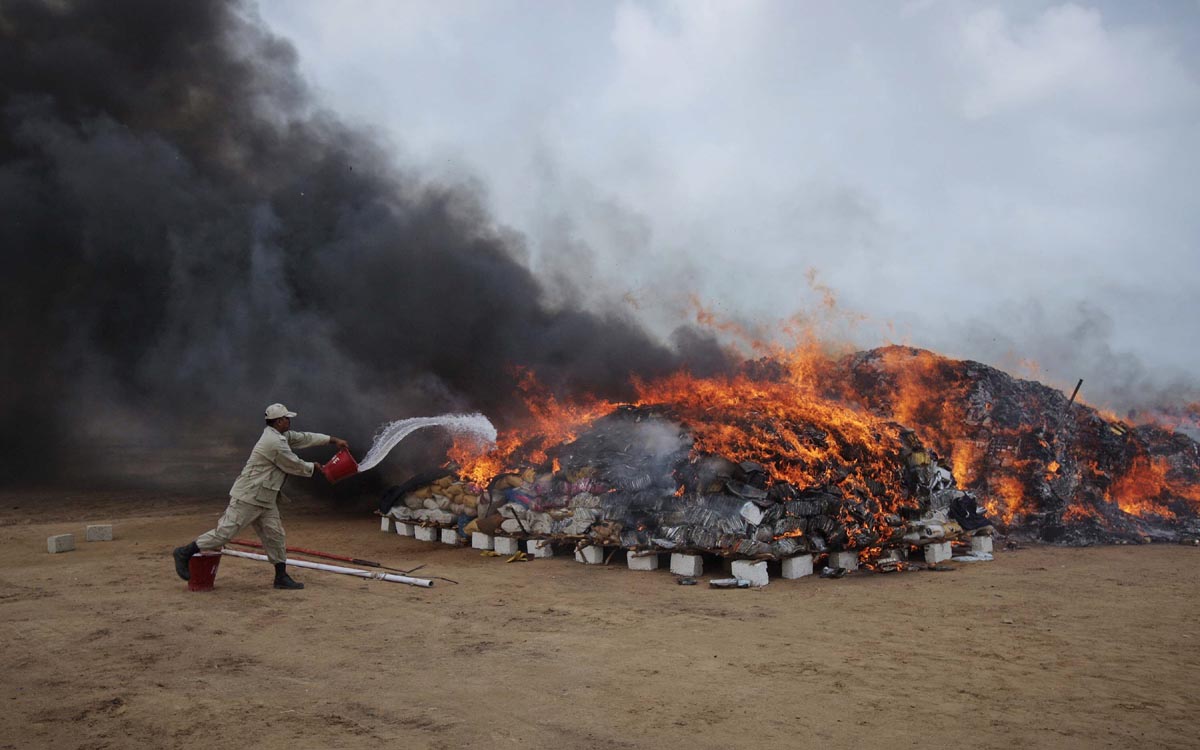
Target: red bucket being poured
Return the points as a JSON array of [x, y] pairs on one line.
[[340, 466]]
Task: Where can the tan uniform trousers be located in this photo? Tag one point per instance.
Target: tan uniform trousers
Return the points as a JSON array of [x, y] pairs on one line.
[[238, 516]]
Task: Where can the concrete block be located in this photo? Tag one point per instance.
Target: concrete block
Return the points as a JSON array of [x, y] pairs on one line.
[[539, 548], [981, 544], [428, 533], [644, 562], [686, 565], [936, 553], [387, 523], [591, 555], [451, 537], [406, 529], [99, 533], [847, 560], [754, 572], [60, 543], [798, 566], [479, 540], [506, 545]]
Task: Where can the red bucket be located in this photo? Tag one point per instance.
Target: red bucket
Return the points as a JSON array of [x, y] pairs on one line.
[[202, 571], [340, 466]]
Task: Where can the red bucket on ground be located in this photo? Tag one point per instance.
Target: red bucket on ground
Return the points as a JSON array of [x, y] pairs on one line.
[[340, 466], [202, 571]]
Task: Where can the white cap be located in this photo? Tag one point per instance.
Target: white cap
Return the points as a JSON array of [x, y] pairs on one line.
[[275, 411]]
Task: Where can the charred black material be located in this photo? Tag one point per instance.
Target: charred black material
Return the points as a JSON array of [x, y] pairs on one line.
[[1074, 466]]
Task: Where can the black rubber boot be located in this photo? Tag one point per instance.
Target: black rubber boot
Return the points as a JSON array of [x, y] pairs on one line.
[[283, 580], [182, 555]]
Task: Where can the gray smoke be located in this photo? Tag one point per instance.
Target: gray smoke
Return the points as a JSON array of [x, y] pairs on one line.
[[187, 237]]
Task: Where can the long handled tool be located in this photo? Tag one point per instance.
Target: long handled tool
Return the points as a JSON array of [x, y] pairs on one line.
[[422, 582], [329, 556]]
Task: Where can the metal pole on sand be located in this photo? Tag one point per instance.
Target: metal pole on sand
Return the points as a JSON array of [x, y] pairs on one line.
[[328, 556], [392, 577]]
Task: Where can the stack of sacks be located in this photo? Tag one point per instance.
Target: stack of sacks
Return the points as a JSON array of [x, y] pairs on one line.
[[517, 519], [441, 502]]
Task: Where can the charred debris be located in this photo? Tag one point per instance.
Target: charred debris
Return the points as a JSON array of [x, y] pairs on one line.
[[1045, 466]]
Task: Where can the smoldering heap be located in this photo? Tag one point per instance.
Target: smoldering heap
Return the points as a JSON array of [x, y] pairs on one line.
[[649, 477], [757, 478], [635, 479], [1045, 468]]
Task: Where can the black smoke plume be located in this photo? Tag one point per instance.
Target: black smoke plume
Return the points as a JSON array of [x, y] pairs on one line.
[[187, 236]]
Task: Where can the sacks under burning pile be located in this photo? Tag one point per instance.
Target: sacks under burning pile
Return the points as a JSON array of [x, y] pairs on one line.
[[633, 479]]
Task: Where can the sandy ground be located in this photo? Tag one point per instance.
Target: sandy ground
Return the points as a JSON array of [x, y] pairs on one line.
[[104, 647]]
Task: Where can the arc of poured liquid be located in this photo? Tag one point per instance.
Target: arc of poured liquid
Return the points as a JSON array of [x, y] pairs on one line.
[[390, 434]]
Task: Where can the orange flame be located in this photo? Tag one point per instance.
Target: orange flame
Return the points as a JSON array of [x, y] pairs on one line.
[[1138, 491], [809, 413], [550, 422]]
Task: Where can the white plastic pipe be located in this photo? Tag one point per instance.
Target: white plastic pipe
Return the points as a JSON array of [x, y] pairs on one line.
[[380, 576]]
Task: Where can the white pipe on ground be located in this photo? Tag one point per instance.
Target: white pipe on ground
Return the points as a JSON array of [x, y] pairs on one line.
[[380, 576]]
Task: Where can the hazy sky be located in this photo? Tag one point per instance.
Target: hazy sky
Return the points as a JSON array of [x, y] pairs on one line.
[[993, 180]]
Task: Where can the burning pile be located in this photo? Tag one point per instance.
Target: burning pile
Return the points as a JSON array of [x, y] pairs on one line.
[[635, 479], [801, 453], [1045, 468]]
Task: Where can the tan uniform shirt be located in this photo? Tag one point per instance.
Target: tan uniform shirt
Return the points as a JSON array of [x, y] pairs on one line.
[[269, 464]]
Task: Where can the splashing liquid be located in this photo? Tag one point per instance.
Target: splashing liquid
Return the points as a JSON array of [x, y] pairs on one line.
[[390, 434]]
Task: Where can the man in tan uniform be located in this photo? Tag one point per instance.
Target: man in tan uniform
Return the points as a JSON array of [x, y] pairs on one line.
[[254, 496]]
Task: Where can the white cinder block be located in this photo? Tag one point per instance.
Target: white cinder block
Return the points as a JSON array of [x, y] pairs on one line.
[[451, 537], [479, 540], [643, 562], [936, 553], [60, 543], [406, 529], [506, 545], [686, 565], [387, 523], [981, 544], [592, 555], [99, 533], [847, 560], [754, 572], [427, 533], [798, 566], [539, 548]]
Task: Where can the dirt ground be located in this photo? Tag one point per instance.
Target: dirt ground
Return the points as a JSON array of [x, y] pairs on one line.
[[104, 647]]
